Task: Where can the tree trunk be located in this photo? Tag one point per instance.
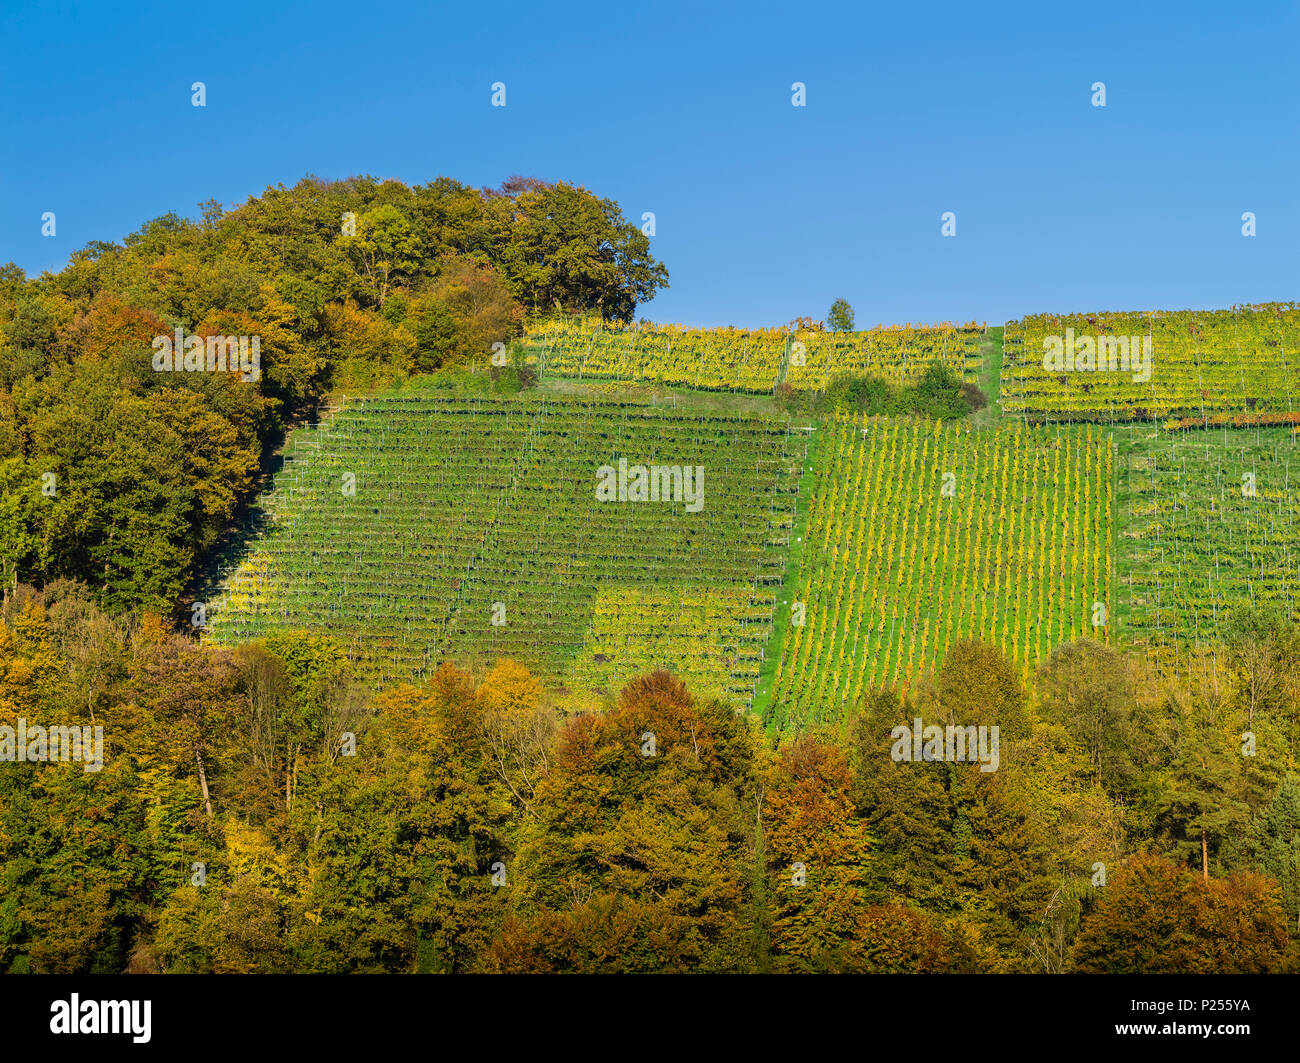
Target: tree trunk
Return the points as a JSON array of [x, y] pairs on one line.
[[203, 782], [1205, 856], [290, 777]]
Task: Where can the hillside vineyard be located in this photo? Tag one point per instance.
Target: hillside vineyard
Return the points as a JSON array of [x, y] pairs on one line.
[[419, 529], [826, 556], [920, 534], [1246, 359], [752, 360]]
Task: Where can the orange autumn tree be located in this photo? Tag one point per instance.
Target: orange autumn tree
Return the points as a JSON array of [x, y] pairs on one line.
[[1156, 917], [816, 855]]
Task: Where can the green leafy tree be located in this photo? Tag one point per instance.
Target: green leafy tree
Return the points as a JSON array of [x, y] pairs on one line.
[[384, 250], [569, 250], [1085, 686], [840, 316], [1199, 808], [1271, 846], [907, 808], [1257, 642], [413, 832]]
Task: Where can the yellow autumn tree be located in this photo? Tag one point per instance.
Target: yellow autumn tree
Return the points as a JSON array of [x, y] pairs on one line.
[[517, 728]]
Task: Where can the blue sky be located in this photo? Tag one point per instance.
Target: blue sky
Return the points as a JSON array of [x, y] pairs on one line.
[[764, 211]]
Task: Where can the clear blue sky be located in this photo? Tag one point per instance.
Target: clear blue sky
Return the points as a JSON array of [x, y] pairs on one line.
[[764, 211]]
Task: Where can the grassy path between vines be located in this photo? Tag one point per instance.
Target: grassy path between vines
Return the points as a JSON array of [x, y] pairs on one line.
[[990, 380], [790, 584]]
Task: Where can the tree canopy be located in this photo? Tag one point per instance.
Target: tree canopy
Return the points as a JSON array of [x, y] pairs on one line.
[[124, 476]]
